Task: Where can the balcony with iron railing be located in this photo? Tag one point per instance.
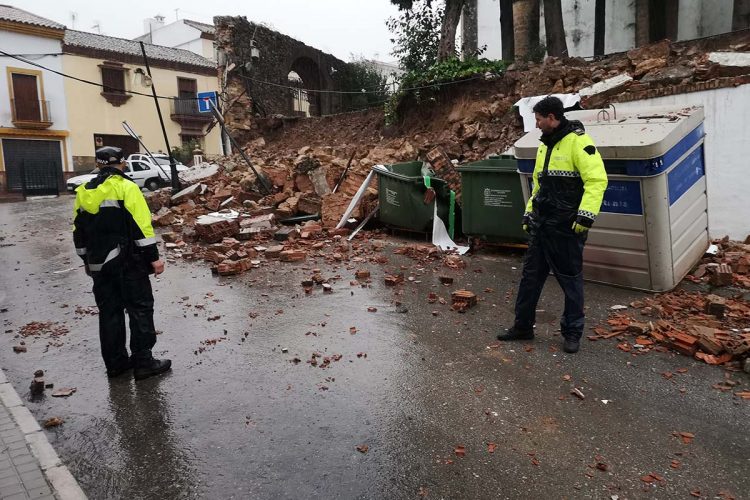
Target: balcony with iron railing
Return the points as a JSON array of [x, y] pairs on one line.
[[33, 114], [185, 112], [186, 107]]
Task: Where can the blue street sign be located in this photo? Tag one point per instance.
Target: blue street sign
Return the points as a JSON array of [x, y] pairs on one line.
[[203, 101]]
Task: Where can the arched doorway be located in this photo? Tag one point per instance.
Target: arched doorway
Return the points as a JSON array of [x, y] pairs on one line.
[[300, 96], [306, 73]]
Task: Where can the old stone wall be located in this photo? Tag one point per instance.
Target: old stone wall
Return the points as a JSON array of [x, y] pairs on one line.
[[257, 86]]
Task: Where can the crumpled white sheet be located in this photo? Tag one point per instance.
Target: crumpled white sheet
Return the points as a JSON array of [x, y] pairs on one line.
[[526, 105], [440, 237]]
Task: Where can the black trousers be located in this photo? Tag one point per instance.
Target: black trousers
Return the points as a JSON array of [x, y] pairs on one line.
[[559, 249], [117, 291]]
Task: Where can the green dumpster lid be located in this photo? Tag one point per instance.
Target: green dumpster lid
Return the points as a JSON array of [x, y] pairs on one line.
[[491, 164]]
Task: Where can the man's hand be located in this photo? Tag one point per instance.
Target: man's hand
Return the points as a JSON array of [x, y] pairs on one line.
[[582, 224], [158, 266], [579, 229]]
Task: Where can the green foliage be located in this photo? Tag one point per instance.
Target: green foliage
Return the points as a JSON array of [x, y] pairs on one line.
[[450, 70], [424, 85], [184, 154], [416, 34], [361, 74]]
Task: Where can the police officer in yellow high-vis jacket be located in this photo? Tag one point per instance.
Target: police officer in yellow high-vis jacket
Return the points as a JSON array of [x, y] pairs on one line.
[[569, 181], [113, 235]]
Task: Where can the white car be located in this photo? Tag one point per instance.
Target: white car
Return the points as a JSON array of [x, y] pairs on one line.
[[141, 169]]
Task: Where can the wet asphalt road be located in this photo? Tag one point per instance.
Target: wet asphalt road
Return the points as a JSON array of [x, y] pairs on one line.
[[239, 419]]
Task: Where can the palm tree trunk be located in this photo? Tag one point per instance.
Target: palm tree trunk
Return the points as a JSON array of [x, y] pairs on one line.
[[642, 24], [526, 27]]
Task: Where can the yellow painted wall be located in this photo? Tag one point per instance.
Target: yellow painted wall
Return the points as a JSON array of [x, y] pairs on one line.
[[89, 112]]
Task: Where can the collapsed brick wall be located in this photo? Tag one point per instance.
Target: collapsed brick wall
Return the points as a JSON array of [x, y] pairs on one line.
[[260, 91]]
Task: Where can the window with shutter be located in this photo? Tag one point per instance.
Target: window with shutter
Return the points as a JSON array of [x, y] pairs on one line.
[[113, 80], [113, 83]]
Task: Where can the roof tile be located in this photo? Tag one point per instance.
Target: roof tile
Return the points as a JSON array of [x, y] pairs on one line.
[[13, 14], [130, 47]]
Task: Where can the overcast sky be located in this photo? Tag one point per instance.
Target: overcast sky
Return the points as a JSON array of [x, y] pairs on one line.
[[340, 27]]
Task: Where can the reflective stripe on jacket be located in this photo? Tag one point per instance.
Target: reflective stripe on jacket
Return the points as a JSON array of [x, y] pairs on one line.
[[111, 219], [573, 181]]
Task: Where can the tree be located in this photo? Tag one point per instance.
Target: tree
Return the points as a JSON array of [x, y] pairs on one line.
[[741, 15], [416, 34], [526, 28], [361, 74], [555, 28], [470, 30], [599, 27], [448, 26], [506, 29], [451, 17], [642, 36]]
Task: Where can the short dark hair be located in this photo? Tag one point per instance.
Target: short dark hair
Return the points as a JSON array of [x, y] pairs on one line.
[[549, 105]]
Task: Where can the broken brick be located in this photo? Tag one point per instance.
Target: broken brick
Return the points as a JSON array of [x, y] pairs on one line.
[[722, 275], [215, 257], [393, 280], [638, 328], [684, 343], [274, 252], [716, 305], [285, 233], [166, 219], [170, 237], [362, 274], [292, 255], [463, 299], [215, 231]]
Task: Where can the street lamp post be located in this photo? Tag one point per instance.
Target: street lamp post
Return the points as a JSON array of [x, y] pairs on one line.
[[172, 163]]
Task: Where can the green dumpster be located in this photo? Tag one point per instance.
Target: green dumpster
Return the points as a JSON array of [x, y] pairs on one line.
[[492, 200], [401, 190]]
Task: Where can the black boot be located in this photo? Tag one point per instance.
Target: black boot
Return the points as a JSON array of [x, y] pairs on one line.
[[514, 333], [150, 367], [120, 368], [571, 346]]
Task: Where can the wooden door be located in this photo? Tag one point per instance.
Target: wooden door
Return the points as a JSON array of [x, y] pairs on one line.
[[26, 98], [187, 90]]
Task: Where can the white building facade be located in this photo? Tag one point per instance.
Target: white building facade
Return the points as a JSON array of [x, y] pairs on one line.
[[696, 19], [182, 34], [34, 150]]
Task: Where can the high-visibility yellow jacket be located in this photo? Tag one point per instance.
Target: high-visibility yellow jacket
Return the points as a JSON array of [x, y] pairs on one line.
[[569, 178], [112, 222]]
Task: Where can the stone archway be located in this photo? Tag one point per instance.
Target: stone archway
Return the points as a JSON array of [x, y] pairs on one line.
[[311, 78], [271, 57]]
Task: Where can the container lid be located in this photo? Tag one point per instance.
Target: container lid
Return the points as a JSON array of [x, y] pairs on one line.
[[634, 134], [491, 164]]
